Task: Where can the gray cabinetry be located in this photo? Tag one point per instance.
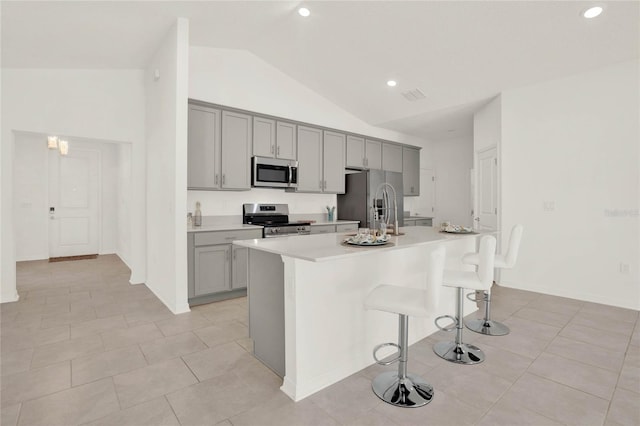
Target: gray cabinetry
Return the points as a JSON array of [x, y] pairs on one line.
[[391, 157], [321, 160], [363, 154], [274, 139], [422, 221], [333, 162], [411, 170], [323, 229], [347, 227], [217, 270], [203, 150], [236, 150], [212, 269]]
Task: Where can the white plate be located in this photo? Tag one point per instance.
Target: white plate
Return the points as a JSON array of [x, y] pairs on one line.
[[363, 243]]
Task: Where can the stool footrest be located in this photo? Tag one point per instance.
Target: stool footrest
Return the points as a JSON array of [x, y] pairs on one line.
[[451, 328], [474, 298], [382, 345]]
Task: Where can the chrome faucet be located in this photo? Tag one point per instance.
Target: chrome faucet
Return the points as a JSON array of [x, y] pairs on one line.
[[383, 189]]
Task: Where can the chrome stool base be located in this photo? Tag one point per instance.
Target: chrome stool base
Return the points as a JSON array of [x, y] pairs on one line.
[[412, 391], [462, 353], [487, 327]]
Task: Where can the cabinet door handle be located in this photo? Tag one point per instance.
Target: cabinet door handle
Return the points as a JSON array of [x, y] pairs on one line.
[[278, 152], [216, 180], [234, 254], [320, 184], [223, 178], [231, 238], [226, 255], [272, 149]]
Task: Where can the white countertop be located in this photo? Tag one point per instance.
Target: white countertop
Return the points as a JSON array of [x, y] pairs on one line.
[[234, 223], [418, 217], [323, 247]]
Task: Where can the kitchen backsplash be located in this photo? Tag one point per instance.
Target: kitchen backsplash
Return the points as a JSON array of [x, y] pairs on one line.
[[215, 203]]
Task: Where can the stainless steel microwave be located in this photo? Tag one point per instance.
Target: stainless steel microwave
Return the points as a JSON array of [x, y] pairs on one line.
[[274, 172]]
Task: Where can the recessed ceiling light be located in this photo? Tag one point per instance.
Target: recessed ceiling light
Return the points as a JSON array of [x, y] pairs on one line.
[[392, 83], [303, 11], [592, 12]]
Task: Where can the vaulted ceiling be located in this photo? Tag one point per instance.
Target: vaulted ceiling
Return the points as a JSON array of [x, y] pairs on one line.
[[458, 54]]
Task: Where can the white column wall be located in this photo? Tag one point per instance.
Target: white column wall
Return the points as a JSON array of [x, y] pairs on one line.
[[573, 143], [166, 82]]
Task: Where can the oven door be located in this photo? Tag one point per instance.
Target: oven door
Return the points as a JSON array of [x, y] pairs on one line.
[[274, 173]]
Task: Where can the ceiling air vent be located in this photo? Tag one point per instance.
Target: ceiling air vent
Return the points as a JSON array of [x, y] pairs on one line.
[[413, 95]]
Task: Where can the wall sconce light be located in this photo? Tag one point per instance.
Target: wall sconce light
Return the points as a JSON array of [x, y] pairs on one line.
[[54, 143]]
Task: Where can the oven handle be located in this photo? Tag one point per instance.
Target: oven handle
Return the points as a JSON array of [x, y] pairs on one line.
[[290, 173]]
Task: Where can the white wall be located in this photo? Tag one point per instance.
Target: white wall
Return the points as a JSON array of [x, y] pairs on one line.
[[124, 202], [95, 104], [31, 195], [453, 159], [574, 142], [239, 79], [166, 132]]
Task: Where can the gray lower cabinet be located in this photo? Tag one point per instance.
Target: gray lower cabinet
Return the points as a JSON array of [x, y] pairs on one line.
[[347, 227], [217, 269], [418, 221], [330, 229]]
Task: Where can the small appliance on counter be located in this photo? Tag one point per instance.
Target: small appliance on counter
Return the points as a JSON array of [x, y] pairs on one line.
[[275, 220]]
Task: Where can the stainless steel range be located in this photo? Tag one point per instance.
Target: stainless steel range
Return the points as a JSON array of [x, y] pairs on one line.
[[275, 219]]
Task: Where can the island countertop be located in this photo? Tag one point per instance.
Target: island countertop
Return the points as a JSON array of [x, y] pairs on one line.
[[325, 247]]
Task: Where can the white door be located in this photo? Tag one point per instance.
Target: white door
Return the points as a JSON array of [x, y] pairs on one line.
[[73, 201], [487, 185]]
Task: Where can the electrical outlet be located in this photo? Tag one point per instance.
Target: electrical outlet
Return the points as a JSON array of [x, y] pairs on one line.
[[624, 268], [549, 206]]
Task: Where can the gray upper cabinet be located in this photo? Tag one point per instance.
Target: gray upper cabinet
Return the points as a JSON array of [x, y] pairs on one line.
[[286, 141], [310, 159], [392, 157], [274, 139], [264, 137], [236, 150], [363, 154], [334, 162], [355, 152], [203, 148], [411, 170], [373, 153]]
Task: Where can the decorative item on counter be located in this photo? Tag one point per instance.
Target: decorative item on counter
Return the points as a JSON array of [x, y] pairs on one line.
[[455, 229], [330, 213], [189, 219], [197, 217]]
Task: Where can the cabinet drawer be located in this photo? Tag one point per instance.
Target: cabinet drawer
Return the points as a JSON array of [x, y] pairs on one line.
[[409, 222], [347, 227], [424, 222], [323, 229], [225, 237]]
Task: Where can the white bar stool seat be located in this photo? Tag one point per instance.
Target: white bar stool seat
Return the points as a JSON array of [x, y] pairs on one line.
[[503, 261], [458, 351], [400, 388]]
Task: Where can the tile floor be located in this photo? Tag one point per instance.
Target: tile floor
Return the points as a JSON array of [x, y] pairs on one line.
[[82, 346]]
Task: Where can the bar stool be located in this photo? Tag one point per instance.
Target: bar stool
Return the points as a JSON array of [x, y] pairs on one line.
[[507, 261], [457, 351], [400, 388]]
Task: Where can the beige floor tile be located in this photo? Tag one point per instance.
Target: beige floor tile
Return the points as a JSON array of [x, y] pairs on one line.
[[171, 347], [519, 343], [280, 410], [624, 409], [630, 373], [221, 333], [216, 312], [15, 339], [557, 402], [147, 315], [15, 362], [604, 339], [68, 298], [54, 292], [558, 304], [99, 325], [470, 384], [246, 343], [114, 339], [182, 323], [505, 364], [93, 367], [545, 317], [68, 318], [586, 353], [216, 361], [35, 383], [150, 382], [348, 399], [157, 412], [442, 410], [73, 406], [371, 418], [587, 378], [422, 352], [512, 413], [602, 322], [611, 312], [9, 415], [66, 350]]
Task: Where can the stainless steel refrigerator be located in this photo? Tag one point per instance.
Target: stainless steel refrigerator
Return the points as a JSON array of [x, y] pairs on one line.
[[360, 188]]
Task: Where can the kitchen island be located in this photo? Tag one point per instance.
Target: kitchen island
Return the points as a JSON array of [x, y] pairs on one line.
[[306, 314]]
